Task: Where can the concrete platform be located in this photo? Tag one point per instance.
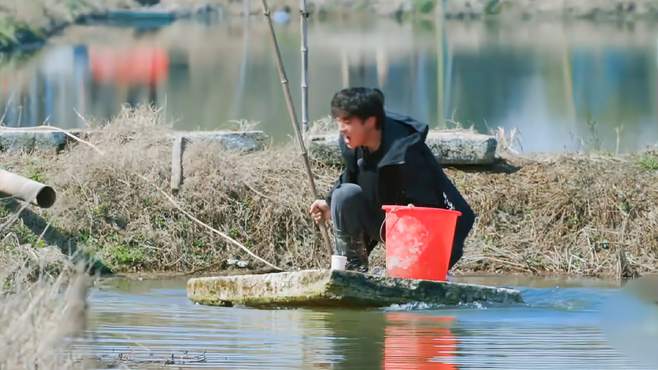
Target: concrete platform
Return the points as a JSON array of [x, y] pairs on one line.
[[337, 288]]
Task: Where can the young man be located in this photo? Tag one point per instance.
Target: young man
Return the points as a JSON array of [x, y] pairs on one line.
[[386, 162]]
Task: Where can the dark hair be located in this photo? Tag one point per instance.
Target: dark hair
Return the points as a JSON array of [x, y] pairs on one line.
[[361, 102]]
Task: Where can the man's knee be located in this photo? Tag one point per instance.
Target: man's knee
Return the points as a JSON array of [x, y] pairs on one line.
[[346, 201], [346, 195]]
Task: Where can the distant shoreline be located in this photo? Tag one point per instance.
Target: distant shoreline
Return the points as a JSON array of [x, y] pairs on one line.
[[29, 31]]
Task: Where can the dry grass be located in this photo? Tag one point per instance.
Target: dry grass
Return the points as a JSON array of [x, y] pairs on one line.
[[566, 214], [572, 214], [42, 306], [125, 221]]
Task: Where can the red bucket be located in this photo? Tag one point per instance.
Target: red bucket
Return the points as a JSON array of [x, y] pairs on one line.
[[419, 241]]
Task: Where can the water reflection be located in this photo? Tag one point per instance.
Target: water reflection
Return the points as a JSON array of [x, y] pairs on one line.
[[418, 341], [565, 85], [140, 324]]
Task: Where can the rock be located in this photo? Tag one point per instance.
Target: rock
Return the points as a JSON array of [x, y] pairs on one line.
[[337, 288], [449, 147], [245, 141]]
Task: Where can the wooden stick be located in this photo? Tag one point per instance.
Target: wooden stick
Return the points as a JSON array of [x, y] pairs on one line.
[[294, 122], [303, 16], [177, 163]]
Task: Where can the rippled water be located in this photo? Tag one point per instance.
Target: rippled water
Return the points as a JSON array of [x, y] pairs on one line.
[[151, 323]]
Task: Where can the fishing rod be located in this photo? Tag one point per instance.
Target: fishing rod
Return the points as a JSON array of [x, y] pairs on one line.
[[293, 120]]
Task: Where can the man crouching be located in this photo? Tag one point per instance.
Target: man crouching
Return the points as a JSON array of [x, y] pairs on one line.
[[386, 162]]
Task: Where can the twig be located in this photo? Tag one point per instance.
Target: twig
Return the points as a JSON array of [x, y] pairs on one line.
[[259, 193], [86, 122], [4, 114], [43, 233], [223, 235], [13, 217]]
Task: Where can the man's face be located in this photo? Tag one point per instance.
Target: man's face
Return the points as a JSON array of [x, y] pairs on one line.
[[356, 131]]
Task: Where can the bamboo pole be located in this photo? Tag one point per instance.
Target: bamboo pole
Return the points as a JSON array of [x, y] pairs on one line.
[[303, 16], [294, 122]]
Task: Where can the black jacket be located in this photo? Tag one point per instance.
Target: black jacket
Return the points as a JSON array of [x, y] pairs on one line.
[[408, 173]]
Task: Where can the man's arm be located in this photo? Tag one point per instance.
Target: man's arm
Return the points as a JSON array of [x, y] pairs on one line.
[[321, 209]]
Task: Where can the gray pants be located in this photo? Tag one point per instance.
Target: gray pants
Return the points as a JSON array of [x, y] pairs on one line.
[[352, 214]]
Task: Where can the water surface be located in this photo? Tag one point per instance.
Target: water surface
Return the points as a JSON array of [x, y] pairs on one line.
[[561, 326]]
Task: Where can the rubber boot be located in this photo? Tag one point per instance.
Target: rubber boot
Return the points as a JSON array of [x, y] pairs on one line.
[[354, 248]]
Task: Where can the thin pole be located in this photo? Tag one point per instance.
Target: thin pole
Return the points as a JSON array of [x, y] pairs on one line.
[[304, 50], [294, 122]]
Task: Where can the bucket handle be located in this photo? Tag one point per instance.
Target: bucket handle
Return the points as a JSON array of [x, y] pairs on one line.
[[381, 227]]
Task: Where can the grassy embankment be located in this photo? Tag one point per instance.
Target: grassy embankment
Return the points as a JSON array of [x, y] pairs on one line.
[[24, 23], [574, 214]]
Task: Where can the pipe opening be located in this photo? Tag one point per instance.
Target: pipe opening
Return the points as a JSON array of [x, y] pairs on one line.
[[46, 197]]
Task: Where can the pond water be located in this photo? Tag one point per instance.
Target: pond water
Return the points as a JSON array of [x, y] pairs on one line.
[[564, 85], [564, 324]]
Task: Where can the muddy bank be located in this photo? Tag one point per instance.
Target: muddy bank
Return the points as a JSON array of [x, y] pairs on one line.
[[573, 214]]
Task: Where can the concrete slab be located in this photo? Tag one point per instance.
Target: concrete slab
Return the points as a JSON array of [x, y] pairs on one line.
[[244, 141], [29, 140], [42, 139], [450, 147], [337, 288]]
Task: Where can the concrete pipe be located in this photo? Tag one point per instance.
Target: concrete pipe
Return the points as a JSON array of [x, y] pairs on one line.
[[25, 189]]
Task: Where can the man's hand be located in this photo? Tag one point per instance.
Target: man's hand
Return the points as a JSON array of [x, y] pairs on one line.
[[320, 211]]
